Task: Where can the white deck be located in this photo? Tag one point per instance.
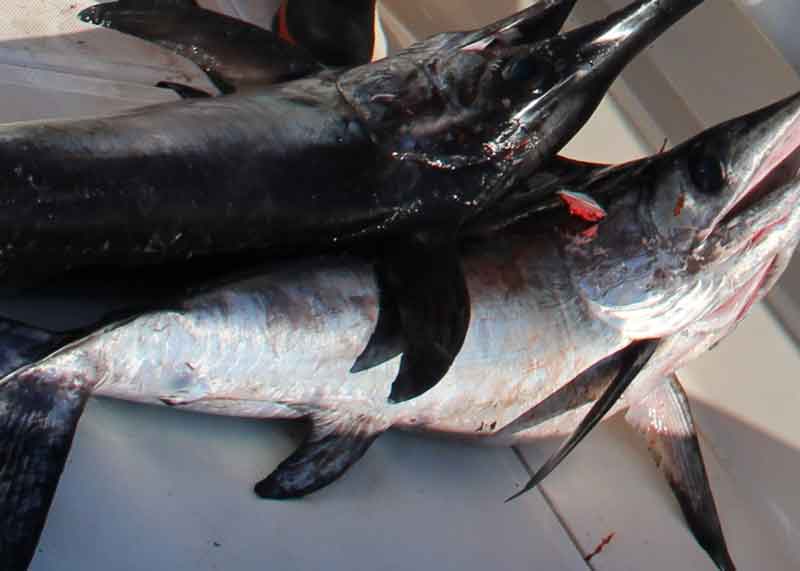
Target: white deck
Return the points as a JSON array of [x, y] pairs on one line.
[[148, 489]]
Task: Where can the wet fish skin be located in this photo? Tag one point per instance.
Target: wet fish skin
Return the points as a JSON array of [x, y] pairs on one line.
[[484, 105], [552, 88], [325, 296], [280, 344], [204, 176], [692, 223], [368, 179]]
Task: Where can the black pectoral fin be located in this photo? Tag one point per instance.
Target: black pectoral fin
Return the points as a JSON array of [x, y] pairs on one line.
[[583, 389], [387, 341], [663, 418], [428, 285], [632, 360], [335, 442], [184, 91], [37, 425]]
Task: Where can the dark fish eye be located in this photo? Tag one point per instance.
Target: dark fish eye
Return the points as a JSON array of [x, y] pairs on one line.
[[707, 172], [538, 73]]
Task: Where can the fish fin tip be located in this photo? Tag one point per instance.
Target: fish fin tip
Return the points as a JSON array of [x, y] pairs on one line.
[[334, 443], [663, 419], [386, 341], [428, 285], [633, 359], [531, 484], [271, 488]]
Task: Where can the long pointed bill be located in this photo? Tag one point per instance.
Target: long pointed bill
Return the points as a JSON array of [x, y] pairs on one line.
[[588, 59], [764, 155], [443, 99], [499, 98]]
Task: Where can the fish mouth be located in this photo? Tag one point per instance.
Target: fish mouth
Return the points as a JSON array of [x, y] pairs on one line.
[[782, 173], [776, 130]]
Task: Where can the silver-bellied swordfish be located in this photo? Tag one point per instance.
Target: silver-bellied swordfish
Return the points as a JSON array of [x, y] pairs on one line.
[[570, 321]]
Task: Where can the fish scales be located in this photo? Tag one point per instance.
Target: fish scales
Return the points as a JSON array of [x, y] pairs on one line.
[[287, 337]]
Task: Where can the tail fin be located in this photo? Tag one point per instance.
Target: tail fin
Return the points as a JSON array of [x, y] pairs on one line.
[[38, 417], [22, 344]]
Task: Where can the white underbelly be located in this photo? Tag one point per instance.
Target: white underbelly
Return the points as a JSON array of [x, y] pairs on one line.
[[284, 344]]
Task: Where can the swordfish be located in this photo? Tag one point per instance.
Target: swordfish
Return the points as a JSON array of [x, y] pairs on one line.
[[632, 298], [406, 149]]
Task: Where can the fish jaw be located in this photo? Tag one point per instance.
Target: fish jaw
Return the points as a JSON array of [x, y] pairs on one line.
[[773, 145]]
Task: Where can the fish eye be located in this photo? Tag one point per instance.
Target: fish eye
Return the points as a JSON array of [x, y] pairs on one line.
[[707, 172], [539, 73]]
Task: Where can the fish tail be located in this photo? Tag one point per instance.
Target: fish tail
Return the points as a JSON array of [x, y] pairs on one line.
[[22, 344], [38, 417]]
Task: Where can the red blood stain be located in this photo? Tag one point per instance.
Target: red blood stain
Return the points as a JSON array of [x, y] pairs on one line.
[[590, 233], [599, 549], [679, 205], [283, 26], [582, 206]]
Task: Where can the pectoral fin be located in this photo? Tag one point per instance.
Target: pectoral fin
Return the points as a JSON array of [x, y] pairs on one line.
[[387, 341], [632, 360], [583, 389], [663, 418], [426, 280], [37, 423], [335, 442]]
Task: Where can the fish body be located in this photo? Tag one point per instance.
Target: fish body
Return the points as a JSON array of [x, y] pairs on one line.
[[421, 141], [291, 335], [286, 336], [546, 305], [407, 149], [558, 320]]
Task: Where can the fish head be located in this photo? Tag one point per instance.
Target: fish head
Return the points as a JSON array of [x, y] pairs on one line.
[[508, 96], [442, 99], [575, 70], [697, 233]]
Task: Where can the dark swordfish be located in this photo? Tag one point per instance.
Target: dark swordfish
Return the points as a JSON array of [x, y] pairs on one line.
[[406, 149], [651, 288]]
